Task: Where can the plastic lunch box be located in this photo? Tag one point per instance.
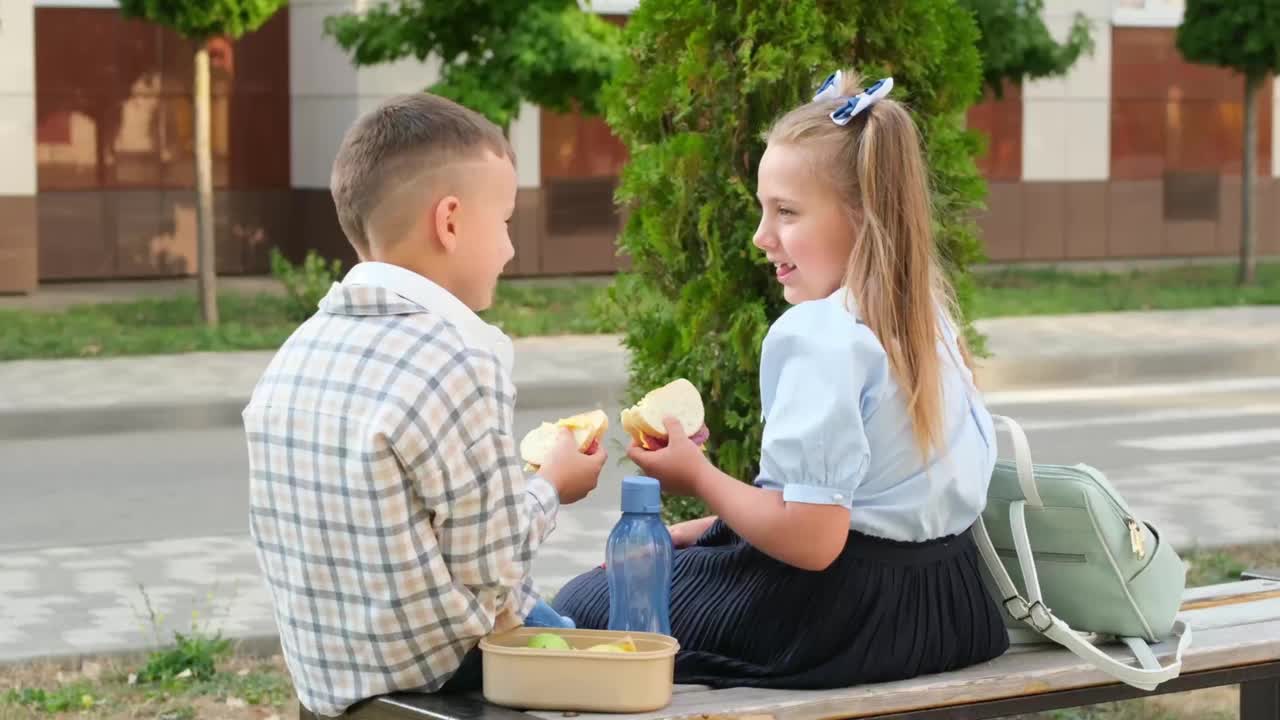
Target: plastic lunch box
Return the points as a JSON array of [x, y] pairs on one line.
[[521, 677]]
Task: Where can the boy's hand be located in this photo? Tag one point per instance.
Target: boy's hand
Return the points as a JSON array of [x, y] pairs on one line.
[[677, 466], [571, 472]]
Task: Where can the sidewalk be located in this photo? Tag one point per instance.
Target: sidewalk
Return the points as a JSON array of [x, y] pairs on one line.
[[43, 397], [68, 601]]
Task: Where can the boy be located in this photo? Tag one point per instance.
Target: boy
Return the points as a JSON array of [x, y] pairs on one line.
[[392, 520]]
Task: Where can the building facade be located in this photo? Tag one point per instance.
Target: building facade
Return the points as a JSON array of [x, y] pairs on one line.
[[1135, 154]]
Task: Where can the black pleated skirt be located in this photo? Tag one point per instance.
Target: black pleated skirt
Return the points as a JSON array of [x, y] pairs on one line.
[[882, 611]]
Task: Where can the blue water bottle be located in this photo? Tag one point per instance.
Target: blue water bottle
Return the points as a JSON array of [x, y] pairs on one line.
[[638, 561]]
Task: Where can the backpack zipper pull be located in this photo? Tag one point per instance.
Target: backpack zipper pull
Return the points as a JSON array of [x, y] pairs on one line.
[[1135, 538]]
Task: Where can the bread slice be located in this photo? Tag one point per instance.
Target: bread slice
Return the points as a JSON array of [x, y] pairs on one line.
[[678, 399], [587, 429]]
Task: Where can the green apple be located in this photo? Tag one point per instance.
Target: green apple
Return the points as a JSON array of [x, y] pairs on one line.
[[548, 641]]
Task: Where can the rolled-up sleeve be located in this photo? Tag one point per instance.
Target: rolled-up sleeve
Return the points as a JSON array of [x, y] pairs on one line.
[[815, 373]]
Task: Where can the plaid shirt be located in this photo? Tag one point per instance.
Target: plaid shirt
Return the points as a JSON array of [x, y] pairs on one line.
[[391, 517]]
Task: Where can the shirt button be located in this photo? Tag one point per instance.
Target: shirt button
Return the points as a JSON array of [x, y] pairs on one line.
[[838, 497]]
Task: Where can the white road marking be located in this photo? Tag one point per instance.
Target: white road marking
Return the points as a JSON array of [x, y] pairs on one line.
[[1121, 392], [1152, 417], [1207, 441]]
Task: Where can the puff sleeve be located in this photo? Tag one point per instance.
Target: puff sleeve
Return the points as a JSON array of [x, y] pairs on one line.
[[821, 373]]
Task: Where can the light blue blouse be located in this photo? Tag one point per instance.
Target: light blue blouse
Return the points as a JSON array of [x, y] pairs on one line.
[[837, 431]]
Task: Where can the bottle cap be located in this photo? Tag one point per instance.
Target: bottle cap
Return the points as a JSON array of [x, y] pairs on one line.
[[641, 495]]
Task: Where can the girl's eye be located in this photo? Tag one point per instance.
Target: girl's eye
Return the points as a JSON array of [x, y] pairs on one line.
[[785, 211]]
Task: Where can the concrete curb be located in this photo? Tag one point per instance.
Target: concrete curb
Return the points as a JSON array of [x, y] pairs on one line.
[[254, 646], [223, 412], [1115, 369], [609, 388]]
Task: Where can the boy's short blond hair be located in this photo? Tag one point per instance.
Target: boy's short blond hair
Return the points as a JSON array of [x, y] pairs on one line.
[[397, 141]]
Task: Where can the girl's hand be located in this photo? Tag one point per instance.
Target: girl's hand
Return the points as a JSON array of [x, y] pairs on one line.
[[678, 466], [685, 534]]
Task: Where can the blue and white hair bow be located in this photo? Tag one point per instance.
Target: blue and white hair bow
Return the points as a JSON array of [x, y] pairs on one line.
[[830, 90]]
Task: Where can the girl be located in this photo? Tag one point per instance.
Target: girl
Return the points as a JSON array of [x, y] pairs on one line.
[[849, 560]]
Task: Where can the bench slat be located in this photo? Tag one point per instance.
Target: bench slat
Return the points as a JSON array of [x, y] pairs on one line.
[[1007, 676], [1220, 616], [1227, 591]]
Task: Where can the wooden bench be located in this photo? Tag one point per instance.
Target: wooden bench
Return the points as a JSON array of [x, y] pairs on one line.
[[1236, 642]]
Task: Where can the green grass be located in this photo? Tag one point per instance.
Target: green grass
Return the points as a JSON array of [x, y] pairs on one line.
[[262, 322], [1051, 292], [1224, 564], [247, 683], [258, 322]]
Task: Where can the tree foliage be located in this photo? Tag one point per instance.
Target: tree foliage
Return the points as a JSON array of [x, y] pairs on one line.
[[1015, 43], [1243, 35], [699, 84], [495, 53], [203, 19]]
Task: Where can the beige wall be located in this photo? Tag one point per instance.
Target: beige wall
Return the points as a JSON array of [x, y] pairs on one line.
[[329, 93], [17, 147], [1066, 121]]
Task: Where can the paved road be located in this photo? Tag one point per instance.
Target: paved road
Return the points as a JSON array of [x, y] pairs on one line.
[[85, 519]]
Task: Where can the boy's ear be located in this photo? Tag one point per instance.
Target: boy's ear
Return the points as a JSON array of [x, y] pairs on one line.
[[446, 222]]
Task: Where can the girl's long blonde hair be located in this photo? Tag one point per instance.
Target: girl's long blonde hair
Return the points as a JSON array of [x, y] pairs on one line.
[[893, 272]]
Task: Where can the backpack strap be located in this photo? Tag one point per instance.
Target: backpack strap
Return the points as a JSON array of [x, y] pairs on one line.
[[1022, 460], [1041, 619]]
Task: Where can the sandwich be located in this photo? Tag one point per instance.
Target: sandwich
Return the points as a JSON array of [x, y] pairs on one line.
[[678, 399], [587, 430]]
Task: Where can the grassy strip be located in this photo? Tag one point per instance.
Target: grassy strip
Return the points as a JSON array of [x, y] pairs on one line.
[[262, 322]]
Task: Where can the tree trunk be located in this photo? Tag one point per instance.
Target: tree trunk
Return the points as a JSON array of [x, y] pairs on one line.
[[1251, 85], [206, 257]]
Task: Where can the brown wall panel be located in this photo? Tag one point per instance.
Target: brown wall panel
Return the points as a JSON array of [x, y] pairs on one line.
[[1264, 212], [1001, 224], [1228, 236], [526, 232], [1135, 219], [151, 240], [18, 253], [1269, 238], [1087, 220], [581, 227], [77, 235], [253, 221], [1190, 238], [1045, 208], [313, 224]]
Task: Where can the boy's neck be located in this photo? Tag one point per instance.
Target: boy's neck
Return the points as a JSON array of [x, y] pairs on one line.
[[436, 271]]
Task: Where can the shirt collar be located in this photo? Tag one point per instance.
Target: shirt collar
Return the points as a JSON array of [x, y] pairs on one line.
[[423, 292], [843, 297]]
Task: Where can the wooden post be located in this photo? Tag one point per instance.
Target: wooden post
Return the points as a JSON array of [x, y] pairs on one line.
[[206, 258]]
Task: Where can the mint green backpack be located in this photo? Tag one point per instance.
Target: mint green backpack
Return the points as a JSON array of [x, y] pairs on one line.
[[1065, 555]]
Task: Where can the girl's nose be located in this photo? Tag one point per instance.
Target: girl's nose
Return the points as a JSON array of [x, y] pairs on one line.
[[762, 239]]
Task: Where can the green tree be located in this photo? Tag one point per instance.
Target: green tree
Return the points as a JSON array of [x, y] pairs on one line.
[[1243, 35], [699, 84], [201, 20], [495, 53], [1015, 43]]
